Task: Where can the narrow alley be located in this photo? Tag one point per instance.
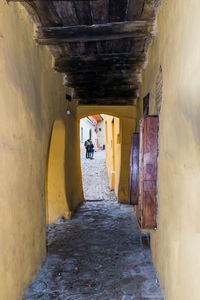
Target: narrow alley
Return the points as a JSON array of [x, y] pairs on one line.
[[95, 178], [98, 254], [119, 75]]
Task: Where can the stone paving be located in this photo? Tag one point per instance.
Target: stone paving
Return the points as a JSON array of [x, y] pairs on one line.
[[98, 255], [95, 178]]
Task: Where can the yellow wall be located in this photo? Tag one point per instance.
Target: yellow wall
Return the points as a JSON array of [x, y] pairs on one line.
[[56, 200], [176, 242], [118, 154], [73, 171], [113, 150], [127, 111], [32, 96], [127, 128]]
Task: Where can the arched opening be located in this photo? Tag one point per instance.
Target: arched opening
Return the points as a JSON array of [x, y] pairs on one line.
[[97, 158], [98, 175], [119, 124], [55, 190]]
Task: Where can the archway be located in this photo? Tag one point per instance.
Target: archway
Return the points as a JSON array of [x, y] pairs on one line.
[[127, 119], [98, 167], [56, 199]]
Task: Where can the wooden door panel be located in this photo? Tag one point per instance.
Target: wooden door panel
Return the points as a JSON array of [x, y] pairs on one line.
[[149, 210], [150, 133], [148, 171], [149, 186], [134, 167]]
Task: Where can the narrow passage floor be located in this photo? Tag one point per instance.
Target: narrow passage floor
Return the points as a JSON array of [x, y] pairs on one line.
[[96, 255], [95, 178]]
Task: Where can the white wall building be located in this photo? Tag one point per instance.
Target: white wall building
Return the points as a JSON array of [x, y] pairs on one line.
[[87, 131], [92, 127], [101, 134]]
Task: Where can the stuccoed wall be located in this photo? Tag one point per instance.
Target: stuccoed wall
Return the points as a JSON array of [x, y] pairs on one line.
[[101, 134], [127, 128], [175, 244], [55, 186], [113, 151], [31, 98], [73, 170], [117, 148], [123, 129]]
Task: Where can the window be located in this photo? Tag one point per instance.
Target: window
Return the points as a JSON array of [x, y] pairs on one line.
[[146, 105], [81, 134]]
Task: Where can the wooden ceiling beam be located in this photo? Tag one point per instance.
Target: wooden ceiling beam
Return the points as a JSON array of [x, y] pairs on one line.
[[117, 75], [95, 32], [73, 79], [109, 89], [106, 73], [105, 84], [99, 64], [92, 60], [104, 56], [107, 101], [99, 68], [51, 0], [105, 93], [151, 8]]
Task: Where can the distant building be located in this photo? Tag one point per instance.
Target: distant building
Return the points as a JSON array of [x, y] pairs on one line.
[[92, 127], [101, 133]]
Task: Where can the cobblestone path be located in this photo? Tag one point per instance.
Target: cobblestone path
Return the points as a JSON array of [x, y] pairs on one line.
[[95, 178], [98, 255]]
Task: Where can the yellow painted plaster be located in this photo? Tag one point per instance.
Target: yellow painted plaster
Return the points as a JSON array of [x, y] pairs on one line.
[[56, 200], [112, 110], [32, 96], [175, 244], [113, 151], [118, 143], [127, 128], [73, 170]]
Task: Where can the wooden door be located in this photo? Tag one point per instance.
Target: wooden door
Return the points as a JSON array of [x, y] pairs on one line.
[[148, 172], [134, 167]]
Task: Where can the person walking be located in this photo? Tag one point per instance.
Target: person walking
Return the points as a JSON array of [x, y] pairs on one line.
[[86, 144], [91, 150]]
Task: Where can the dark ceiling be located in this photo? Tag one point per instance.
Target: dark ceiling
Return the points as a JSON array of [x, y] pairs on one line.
[[100, 45]]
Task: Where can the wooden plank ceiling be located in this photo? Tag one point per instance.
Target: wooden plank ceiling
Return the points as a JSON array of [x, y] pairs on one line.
[[99, 45]]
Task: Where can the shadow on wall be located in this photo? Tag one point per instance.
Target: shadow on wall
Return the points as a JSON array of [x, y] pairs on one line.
[[55, 189]]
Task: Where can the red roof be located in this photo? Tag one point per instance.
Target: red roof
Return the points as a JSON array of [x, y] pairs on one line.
[[97, 117]]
